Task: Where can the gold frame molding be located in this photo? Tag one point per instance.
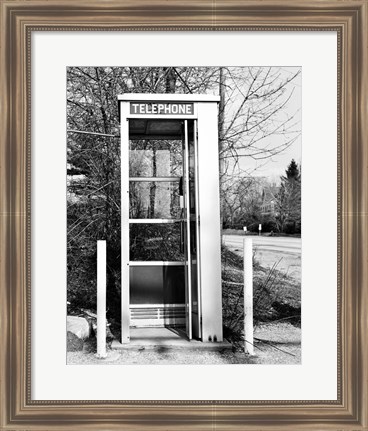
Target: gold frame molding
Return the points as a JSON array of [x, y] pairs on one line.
[[349, 18]]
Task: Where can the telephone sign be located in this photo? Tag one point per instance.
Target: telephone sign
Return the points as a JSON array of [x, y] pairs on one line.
[[161, 108]]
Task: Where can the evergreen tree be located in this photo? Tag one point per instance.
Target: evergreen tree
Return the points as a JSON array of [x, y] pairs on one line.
[[292, 171], [288, 202]]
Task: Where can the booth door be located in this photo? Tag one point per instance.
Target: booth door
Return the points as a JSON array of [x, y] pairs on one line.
[[163, 226], [192, 246]]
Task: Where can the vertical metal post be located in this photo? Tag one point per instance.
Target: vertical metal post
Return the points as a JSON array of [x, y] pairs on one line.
[[209, 232], [101, 299], [125, 277], [248, 295]]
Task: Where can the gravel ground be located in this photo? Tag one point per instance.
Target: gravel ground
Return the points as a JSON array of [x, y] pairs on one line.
[[285, 349]]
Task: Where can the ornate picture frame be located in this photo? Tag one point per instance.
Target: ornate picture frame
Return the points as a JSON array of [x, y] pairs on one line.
[[19, 18]]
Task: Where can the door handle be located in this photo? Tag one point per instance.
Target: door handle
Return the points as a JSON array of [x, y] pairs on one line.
[[182, 236]]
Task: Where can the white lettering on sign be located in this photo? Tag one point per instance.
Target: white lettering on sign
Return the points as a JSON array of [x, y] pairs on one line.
[[148, 108]]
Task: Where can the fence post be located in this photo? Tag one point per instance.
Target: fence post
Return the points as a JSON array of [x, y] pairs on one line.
[[248, 295], [101, 299]]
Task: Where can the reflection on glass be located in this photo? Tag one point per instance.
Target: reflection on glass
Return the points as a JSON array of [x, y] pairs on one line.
[[155, 158], [155, 242], [154, 200], [192, 206], [157, 285], [146, 285], [192, 164]]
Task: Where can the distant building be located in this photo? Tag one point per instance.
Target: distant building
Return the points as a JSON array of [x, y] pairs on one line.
[[269, 196]]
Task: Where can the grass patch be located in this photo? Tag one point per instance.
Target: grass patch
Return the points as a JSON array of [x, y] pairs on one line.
[[276, 296]]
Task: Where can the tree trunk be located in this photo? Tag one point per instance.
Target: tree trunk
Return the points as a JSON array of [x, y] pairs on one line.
[[170, 82]]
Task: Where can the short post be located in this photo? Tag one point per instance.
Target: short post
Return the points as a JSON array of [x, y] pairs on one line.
[[248, 295], [101, 299]]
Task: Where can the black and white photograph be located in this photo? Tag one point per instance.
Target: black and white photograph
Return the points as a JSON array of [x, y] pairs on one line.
[[184, 215]]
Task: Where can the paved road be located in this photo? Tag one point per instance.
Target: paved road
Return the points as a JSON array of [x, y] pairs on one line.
[[289, 245], [284, 252]]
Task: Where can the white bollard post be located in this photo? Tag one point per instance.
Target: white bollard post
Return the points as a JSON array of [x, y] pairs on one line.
[[248, 295], [101, 299]]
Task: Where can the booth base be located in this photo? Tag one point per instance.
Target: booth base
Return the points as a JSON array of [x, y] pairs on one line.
[[155, 338]]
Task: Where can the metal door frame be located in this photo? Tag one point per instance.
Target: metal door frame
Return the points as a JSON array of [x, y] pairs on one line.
[[188, 272], [125, 237], [197, 226]]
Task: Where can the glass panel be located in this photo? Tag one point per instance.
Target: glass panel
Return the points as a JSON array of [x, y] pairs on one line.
[[172, 128], [174, 284], [155, 129], [153, 158], [151, 284], [154, 200], [193, 244], [155, 242], [146, 285], [193, 228], [192, 167], [174, 293]]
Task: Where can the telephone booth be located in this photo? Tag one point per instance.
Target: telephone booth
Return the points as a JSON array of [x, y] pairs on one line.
[[170, 215]]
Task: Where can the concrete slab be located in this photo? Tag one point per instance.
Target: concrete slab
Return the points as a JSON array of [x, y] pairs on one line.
[[158, 338]]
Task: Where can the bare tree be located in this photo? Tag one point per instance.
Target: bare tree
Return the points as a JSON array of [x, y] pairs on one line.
[[256, 99], [254, 123]]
